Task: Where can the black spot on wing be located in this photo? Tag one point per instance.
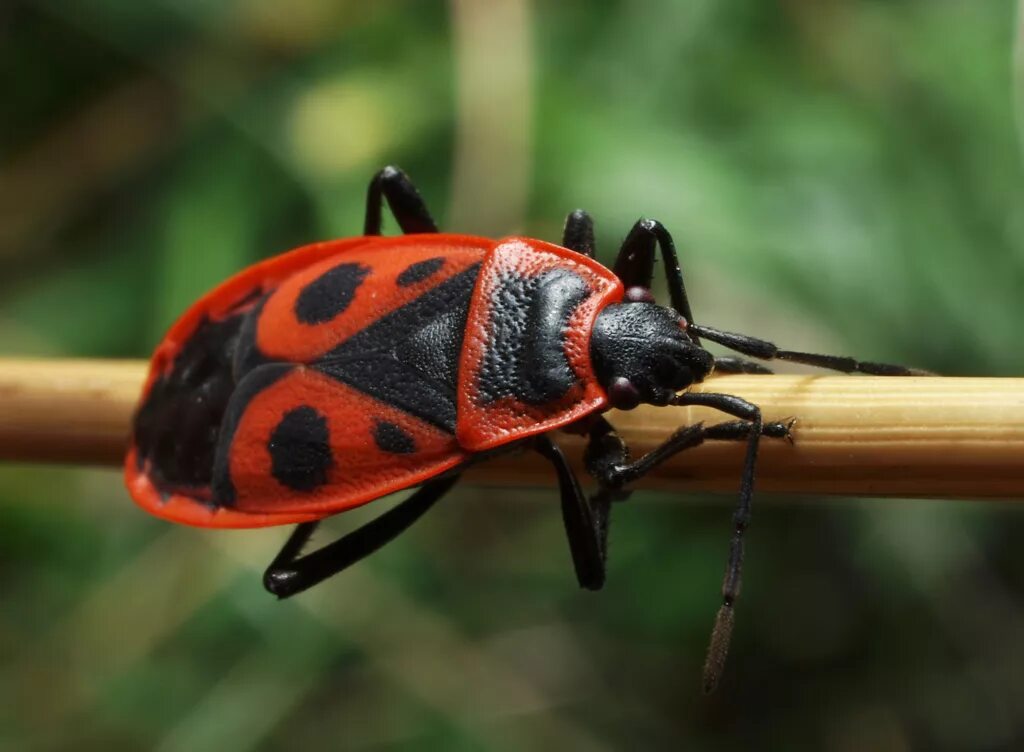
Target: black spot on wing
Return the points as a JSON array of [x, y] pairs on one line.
[[526, 357], [300, 450], [392, 439], [329, 294], [420, 271]]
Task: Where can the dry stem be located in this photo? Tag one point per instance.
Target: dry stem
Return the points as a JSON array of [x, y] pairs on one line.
[[915, 437]]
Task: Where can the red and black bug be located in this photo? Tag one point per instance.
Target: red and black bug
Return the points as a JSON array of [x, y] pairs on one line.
[[343, 371]]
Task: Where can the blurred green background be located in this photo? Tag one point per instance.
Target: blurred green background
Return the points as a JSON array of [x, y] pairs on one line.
[[839, 174]]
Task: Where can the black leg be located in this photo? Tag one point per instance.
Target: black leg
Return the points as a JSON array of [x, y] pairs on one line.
[[759, 348], [721, 634], [607, 460], [292, 572], [586, 521], [739, 365], [578, 234], [635, 263], [607, 456], [411, 213]]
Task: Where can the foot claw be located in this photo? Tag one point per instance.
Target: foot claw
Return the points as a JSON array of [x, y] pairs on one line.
[[280, 582], [790, 422], [779, 429]]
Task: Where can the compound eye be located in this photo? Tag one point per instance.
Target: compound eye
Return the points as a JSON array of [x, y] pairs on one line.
[[623, 394]]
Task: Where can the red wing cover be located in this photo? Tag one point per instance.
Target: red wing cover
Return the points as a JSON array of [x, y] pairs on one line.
[[353, 344], [298, 441]]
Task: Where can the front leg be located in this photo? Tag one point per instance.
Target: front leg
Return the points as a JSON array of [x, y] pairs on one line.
[[607, 459], [635, 263]]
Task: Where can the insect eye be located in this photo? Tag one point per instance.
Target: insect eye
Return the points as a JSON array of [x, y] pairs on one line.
[[623, 394]]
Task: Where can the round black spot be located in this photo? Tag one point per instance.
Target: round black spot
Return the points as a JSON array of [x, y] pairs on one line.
[[419, 271], [392, 439], [329, 294], [300, 454]]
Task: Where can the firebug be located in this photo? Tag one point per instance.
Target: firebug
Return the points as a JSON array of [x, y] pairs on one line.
[[343, 371]]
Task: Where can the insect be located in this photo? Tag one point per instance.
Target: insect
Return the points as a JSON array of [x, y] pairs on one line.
[[344, 371]]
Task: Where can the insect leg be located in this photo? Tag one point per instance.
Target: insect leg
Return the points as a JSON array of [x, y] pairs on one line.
[[759, 348], [578, 234], [721, 633], [635, 263], [607, 460], [292, 572], [586, 521], [607, 456], [404, 200]]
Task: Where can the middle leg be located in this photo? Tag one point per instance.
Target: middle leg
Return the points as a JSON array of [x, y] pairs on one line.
[[578, 234], [407, 206], [586, 520]]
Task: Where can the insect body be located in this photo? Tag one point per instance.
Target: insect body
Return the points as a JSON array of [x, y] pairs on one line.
[[343, 371]]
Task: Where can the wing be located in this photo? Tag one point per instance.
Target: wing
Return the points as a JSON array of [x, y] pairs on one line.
[[296, 440], [319, 308], [343, 302]]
